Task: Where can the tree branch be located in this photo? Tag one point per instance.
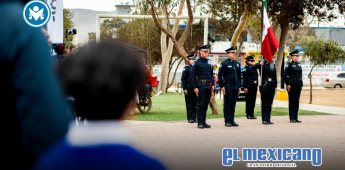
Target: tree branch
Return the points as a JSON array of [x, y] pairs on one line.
[[174, 76], [158, 24], [186, 31]]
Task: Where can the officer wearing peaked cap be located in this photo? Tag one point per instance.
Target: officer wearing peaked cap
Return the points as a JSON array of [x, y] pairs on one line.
[[229, 78], [294, 83], [203, 85], [250, 85], [267, 89], [190, 97]]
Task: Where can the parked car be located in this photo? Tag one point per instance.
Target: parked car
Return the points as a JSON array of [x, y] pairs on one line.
[[336, 80]]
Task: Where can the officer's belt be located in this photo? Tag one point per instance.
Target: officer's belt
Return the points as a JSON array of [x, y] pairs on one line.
[[252, 81], [267, 79], [204, 81], [295, 78]]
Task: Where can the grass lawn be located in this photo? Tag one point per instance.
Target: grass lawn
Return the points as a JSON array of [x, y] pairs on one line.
[[171, 107]]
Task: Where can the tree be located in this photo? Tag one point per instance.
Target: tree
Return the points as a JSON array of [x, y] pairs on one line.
[[291, 14], [168, 36], [92, 37], [229, 17], [108, 28], [321, 52], [144, 34], [67, 24]]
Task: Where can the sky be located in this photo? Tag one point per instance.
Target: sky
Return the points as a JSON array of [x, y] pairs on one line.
[[108, 5], [97, 5]]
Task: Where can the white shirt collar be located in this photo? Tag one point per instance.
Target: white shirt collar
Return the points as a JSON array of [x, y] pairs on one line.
[[98, 132]]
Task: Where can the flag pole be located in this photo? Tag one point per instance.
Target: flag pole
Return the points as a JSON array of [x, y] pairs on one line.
[[264, 7]]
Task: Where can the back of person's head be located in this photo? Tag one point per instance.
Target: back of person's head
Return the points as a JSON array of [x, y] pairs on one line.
[[103, 79]]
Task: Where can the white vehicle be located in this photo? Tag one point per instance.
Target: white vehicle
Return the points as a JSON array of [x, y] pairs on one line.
[[336, 80]]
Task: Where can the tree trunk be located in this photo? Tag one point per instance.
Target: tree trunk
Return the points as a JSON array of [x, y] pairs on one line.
[[166, 56], [240, 27], [311, 84], [166, 50], [213, 105], [279, 60], [174, 76], [164, 73], [178, 44]]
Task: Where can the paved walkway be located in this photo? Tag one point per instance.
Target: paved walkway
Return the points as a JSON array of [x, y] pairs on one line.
[[180, 145], [309, 107]]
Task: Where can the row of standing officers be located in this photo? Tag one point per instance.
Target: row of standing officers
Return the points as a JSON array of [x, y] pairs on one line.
[[198, 85]]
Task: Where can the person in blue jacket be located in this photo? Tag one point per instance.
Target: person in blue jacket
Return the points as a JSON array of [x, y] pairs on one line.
[[250, 85], [203, 84], [103, 79], [229, 78], [32, 106], [189, 94]]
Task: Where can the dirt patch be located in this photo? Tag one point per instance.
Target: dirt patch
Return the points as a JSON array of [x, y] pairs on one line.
[[327, 97]]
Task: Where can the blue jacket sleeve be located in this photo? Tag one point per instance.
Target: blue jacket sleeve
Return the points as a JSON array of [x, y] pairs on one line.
[[220, 75], [39, 103], [286, 75], [194, 75], [245, 77], [239, 73], [184, 78]]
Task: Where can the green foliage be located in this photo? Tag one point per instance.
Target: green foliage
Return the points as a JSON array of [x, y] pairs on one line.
[[92, 36], [225, 14], [254, 28], [171, 107], [144, 34], [67, 24], [108, 28], [292, 12], [322, 52]]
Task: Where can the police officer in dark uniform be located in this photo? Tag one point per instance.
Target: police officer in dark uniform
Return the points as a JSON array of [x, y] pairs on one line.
[[203, 85], [267, 89], [229, 78], [250, 85], [188, 90], [294, 83]]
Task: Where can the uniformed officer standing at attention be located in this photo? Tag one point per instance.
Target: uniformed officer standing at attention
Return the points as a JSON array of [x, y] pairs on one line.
[[250, 85], [203, 85], [268, 89], [294, 83], [229, 78], [189, 94]]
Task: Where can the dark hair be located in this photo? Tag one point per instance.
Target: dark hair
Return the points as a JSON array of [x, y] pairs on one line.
[[71, 47], [103, 79]]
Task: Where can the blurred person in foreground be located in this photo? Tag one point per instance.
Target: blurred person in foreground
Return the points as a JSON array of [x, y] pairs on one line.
[[103, 79], [32, 106]]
